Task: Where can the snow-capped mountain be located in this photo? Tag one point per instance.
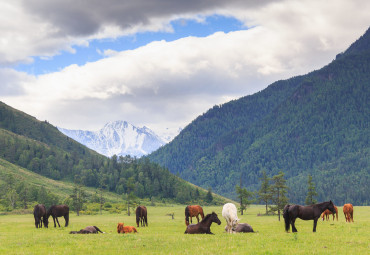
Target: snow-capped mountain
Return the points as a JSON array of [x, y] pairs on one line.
[[118, 138]]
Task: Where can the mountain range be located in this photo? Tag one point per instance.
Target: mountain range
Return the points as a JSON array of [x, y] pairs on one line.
[[315, 124], [118, 138]]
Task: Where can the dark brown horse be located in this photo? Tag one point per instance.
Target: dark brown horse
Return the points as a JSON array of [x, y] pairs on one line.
[[58, 211], [326, 213], [193, 211], [88, 230], [141, 216], [203, 227], [348, 212], [309, 212], [39, 213]]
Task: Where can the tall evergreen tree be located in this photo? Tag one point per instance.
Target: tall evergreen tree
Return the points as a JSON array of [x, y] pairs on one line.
[[311, 193], [278, 191], [264, 194], [244, 195], [209, 196], [78, 198]]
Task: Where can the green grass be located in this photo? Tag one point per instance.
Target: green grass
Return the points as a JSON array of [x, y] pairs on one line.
[[18, 235]]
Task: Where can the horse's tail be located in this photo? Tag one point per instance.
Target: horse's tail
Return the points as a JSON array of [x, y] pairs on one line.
[[286, 218], [97, 229], [187, 214], [201, 212], [146, 220]]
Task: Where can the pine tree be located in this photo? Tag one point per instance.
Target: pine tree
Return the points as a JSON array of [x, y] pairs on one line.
[[78, 198], [209, 196], [244, 195], [311, 193], [264, 193], [278, 191]]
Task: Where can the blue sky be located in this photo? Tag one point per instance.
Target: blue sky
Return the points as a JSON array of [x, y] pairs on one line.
[[80, 64], [96, 47]]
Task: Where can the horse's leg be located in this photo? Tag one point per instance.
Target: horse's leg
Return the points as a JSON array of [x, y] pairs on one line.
[[197, 217], [66, 218], [314, 225], [293, 225], [56, 218]]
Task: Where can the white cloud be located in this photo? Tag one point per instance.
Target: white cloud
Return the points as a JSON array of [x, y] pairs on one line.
[[168, 84]]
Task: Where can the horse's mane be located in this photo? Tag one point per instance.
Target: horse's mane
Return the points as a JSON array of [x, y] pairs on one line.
[[208, 216]]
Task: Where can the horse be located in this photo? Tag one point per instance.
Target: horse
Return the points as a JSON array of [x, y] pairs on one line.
[[348, 212], [39, 213], [326, 213], [58, 211], [309, 212], [229, 212], [141, 216], [203, 227], [88, 230], [243, 228], [193, 211], [122, 229]]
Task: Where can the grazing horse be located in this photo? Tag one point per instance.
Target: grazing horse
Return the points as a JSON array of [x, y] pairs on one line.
[[229, 212], [58, 211], [122, 229], [348, 212], [309, 212], [326, 213], [141, 216], [193, 211], [203, 227], [39, 213], [88, 230]]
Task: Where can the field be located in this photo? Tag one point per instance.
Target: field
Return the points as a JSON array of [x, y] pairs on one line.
[[18, 235]]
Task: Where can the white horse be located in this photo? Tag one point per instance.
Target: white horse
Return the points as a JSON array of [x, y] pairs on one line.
[[229, 212]]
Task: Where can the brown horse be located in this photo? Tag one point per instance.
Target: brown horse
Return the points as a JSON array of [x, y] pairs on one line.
[[193, 211], [122, 229], [58, 211], [326, 213], [39, 213], [203, 227], [141, 216], [88, 230], [348, 212]]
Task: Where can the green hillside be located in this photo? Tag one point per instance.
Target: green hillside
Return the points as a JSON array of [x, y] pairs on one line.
[[315, 124], [39, 147]]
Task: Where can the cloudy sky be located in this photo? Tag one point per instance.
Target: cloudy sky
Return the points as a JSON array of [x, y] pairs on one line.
[[160, 63]]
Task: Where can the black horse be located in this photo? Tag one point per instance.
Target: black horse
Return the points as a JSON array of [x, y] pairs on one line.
[[39, 213], [58, 211], [309, 212], [141, 216], [203, 227]]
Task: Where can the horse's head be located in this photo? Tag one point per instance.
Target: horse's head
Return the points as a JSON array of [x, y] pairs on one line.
[[215, 218], [235, 223], [45, 221], [331, 207], [120, 227]]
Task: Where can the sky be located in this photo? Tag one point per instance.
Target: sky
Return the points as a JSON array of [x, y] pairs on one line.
[[161, 63]]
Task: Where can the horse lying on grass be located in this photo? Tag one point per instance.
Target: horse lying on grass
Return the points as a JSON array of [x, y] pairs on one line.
[[243, 228], [122, 229], [88, 230], [203, 227]]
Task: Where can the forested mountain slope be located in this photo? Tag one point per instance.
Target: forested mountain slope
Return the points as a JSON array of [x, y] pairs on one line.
[[41, 148], [314, 124]]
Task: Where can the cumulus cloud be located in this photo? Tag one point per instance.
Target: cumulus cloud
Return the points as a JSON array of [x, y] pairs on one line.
[[167, 84]]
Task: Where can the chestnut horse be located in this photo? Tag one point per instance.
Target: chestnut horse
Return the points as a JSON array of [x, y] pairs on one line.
[[326, 213], [193, 211], [203, 227], [141, 216], [309, 212], [122, 229], [348, 212]]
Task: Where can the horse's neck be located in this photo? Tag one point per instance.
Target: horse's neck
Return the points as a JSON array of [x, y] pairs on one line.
[[323, 206]]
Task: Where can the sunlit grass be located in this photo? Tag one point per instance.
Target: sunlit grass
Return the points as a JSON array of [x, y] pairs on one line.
[[166, 236]]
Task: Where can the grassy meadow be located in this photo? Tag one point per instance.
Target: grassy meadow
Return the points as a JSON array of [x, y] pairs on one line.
[[18, 235]]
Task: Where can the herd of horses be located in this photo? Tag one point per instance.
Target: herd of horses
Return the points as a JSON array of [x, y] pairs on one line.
[[229, 212]]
